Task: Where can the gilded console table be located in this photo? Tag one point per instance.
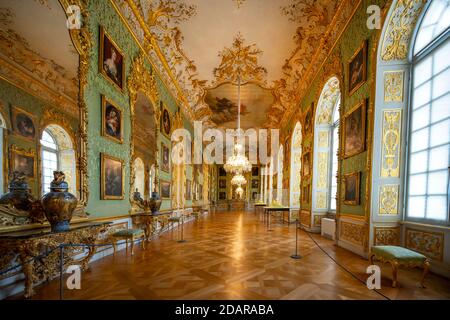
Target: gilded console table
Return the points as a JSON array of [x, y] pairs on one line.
[[38, 251], [149, 221]]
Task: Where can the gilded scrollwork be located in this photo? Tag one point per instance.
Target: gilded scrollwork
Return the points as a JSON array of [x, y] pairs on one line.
[[322, 169], [401, 24], [352, 232], [393, 86], [430, 244], [386, 236], [390, 164], [389, 199]]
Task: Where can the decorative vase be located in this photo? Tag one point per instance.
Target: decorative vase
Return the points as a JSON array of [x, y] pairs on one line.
[[155, 203], [19, 196], [59, 204]]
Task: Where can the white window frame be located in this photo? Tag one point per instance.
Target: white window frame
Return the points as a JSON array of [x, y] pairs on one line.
[[49, 150]]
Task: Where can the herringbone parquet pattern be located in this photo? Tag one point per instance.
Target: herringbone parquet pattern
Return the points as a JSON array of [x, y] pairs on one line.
[[230, 255]]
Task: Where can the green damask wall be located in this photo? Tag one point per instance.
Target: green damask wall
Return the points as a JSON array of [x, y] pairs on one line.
[[12, 96], [103, 13], [352, 37]]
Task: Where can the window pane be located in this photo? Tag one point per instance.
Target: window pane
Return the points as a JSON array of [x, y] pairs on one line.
[[439, 158], [441, 108], [441, 60], [422, 95], [421, 118], [422, 71], [418, 184], [419, 140], [437, 208], [419, 162], [437, 182], [440, 133], [416, 207], [441, 84]]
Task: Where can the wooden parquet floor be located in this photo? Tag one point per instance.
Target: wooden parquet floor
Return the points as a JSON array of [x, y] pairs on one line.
[[231, 255]]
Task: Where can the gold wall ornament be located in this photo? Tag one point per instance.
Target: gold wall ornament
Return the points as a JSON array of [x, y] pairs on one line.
[[393, 86], [323, 139], [352, 232], [82, 40], [386, 236], [389, 199], [328, 97], [305, 218], [318, 221], [141, 80], [401, 25], [321, 200], [429, 243], [240, 61], [322, 169], [390, 150]]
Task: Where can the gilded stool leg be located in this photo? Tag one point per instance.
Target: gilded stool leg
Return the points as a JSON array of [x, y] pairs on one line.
[[371, 259], [132, 245], [143, 242], [394, 273], [114, 244], [426, 267]]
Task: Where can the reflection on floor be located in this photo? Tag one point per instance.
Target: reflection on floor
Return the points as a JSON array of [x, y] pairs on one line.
[[232, 256]]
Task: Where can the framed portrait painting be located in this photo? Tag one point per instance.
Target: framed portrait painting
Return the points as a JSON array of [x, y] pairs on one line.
[[222, 172], [112, 178], [357, 69], [111, 60], [222, 195], [355, 130], [165, 189], [188, 190], [255, 184], [23, 161], [351, 188], [165, 161], [222, 183], [308, 118], [112, 121], [166, 122], [23, 124], [306, 164], [255, 171]]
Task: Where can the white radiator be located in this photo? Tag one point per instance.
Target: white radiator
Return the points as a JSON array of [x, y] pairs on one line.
[[328, 228]]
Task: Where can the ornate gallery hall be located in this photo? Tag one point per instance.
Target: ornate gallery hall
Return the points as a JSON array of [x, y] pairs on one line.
[[224, 150]]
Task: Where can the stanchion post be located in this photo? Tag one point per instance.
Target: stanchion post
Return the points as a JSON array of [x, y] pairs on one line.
[[182, 228], [296, 256]]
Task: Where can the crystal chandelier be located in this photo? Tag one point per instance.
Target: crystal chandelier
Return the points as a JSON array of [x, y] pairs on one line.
[[238, 180], [239, 192], [238, 162]]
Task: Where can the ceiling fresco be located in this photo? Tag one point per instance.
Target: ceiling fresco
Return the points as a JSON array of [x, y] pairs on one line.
[[187, 40]]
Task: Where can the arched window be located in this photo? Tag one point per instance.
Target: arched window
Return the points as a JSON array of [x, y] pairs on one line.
[[57, 154], [296, 165], [326, 144], [280, 175], [334, 149], [427, 188], [139, 172], [2, 128]]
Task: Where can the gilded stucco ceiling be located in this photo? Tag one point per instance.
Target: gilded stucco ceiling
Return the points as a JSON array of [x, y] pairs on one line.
[[187, 39]]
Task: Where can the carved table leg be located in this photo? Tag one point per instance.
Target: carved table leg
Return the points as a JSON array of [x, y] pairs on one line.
[[426, 267], [85, 261], [394, 273], [28, 270], [371, 259]]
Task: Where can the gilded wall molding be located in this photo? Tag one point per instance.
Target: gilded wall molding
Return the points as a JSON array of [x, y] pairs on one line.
[[353, 233], [386, 236], [393, 86], [390, 150], [388, 202], [397, 37], [429, 243]]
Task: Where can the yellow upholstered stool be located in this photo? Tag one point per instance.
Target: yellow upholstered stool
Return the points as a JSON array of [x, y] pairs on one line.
[[129, 234]]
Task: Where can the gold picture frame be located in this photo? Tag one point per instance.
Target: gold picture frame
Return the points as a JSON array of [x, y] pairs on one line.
[[354, 130], [107, 194], [101, 58], [305, 193], [164, 189], [165, 163], [24, 157], [19, 129], [105, 133], [166, 122], [306, 164], [352, 183], [357, 69]]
